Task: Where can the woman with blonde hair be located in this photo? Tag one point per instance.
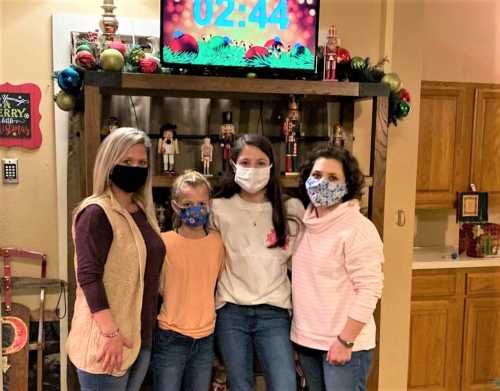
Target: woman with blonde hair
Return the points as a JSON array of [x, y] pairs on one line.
[[118, 260]]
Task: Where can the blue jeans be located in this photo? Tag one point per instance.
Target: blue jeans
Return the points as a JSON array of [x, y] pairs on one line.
[[241, 330], [322, 376], [131, 381], [181, 361]]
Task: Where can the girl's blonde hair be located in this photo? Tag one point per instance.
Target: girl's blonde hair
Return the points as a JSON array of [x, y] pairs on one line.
[[190, 178], [111, 152]]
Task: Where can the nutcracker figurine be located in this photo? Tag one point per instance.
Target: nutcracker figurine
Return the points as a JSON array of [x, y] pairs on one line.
[[227, 138], [337, 139], [330, 54], [207, 151], [168, 147], [291, 131]]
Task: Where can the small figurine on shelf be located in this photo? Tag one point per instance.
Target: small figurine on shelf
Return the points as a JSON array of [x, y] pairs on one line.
[[330, 54], [227, 138], [337, 138], [168, 147], [110, 124], [161, 216], [291, 131], [207, 151]]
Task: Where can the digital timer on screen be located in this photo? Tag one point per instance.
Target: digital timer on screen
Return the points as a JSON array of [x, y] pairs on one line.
[[278, 34]]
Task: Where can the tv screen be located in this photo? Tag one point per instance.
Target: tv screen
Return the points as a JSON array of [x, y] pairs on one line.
[[255, 34]]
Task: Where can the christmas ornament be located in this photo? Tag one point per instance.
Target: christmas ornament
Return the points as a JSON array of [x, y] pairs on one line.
[[343, 55], [85, 60], [393, 80], [148, 65], [218, 42], [112, 60], [358, 63], [184, 43], [118, 45], [404, 95], [274, 44], [256, 52], [403, 109], [65, 101], [84, 46], [135, 55], [69, 80]]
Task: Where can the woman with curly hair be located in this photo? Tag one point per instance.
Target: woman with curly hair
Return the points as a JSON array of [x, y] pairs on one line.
[[336, 276]]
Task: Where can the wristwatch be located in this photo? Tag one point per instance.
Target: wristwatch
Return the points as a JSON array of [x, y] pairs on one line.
[[347, 344]]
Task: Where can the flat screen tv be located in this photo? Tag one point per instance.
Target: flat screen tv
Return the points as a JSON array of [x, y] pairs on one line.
[[273, 37]]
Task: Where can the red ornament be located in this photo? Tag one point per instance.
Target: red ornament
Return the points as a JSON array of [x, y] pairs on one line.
[[404, 95], [343, 55], [85, 60], [118, 45], [256, 51], [184, 43], [148, 65]]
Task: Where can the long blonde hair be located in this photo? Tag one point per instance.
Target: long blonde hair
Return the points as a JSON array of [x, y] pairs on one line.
[[111, 152], [192, 179]]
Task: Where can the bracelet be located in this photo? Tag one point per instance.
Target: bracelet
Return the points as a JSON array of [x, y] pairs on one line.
[[347, 344], [112, 335]]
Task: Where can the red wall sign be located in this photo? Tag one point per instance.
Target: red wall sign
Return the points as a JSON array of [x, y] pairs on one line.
[[20, 116]]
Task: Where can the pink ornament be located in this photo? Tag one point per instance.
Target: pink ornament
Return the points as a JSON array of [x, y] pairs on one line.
[[184, 43], [85, 60], [118, 45], [256, 51], [404, 95], [148, 65]]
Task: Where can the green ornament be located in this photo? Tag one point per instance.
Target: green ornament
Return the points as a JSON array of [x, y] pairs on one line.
[[358, 63], [65, 101], [393, 80], [135, 55], [403, 108], [112, 60], [85, 47]]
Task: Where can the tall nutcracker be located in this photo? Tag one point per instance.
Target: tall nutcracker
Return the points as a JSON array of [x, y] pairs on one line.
[[330, 54], [227, 138], [207, 151], [168, 147], [291, 131]]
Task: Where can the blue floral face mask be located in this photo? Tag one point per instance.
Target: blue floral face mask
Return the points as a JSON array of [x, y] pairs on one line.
[[324, 193], [195, 216]]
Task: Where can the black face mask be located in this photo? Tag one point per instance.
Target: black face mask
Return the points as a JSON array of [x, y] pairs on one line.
[[129, 178]]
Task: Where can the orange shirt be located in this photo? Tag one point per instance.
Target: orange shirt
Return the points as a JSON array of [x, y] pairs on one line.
[[189, 280]]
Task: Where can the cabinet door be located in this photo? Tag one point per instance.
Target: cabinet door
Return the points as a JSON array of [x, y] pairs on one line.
[[486, 144], [482, 344], [435, 345], [444, 144]]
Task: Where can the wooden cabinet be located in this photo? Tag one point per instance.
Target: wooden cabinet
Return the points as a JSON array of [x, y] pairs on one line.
[[444, 144], [486, 143], [455, 330], [459, 142]]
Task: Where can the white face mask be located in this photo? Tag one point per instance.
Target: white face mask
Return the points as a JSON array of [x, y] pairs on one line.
[[252, 179]]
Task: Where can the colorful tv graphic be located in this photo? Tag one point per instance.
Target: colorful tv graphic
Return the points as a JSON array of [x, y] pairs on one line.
[[278, 34]]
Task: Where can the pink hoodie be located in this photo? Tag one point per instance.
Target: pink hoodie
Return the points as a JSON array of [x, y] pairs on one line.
[[336, 274]]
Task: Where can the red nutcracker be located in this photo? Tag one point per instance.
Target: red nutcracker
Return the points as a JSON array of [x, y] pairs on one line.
[[330, 54], [227, 138], [291, 131]]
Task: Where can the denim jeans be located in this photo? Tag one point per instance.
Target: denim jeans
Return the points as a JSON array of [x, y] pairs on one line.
[[241, 330], [131, 381], [181, 361], [322, 376]]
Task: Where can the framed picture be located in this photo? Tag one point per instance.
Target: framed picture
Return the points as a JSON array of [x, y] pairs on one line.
[[472, 207]]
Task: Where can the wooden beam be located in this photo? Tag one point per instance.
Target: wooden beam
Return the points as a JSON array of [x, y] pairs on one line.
[[91, 135]]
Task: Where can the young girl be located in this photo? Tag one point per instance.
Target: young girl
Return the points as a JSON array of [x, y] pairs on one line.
[[337, 276], [253, 295], [183, 350]]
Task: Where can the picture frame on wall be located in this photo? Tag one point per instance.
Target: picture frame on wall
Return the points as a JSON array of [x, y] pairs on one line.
[[472, 207]]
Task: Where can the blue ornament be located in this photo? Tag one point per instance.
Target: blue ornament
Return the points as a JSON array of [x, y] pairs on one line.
[[69, 80]]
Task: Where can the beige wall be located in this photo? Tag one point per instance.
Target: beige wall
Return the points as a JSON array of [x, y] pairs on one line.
[[461, 40]]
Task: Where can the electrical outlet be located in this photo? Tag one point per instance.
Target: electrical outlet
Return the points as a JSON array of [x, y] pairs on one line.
[[10, 173]]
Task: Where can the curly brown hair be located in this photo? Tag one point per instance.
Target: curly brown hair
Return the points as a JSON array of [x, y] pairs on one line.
[[353, 176]]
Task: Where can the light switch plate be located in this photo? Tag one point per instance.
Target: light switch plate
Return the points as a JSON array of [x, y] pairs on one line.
[[10, 172]]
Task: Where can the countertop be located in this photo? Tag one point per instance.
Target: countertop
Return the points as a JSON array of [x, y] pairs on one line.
[[440, 258]]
